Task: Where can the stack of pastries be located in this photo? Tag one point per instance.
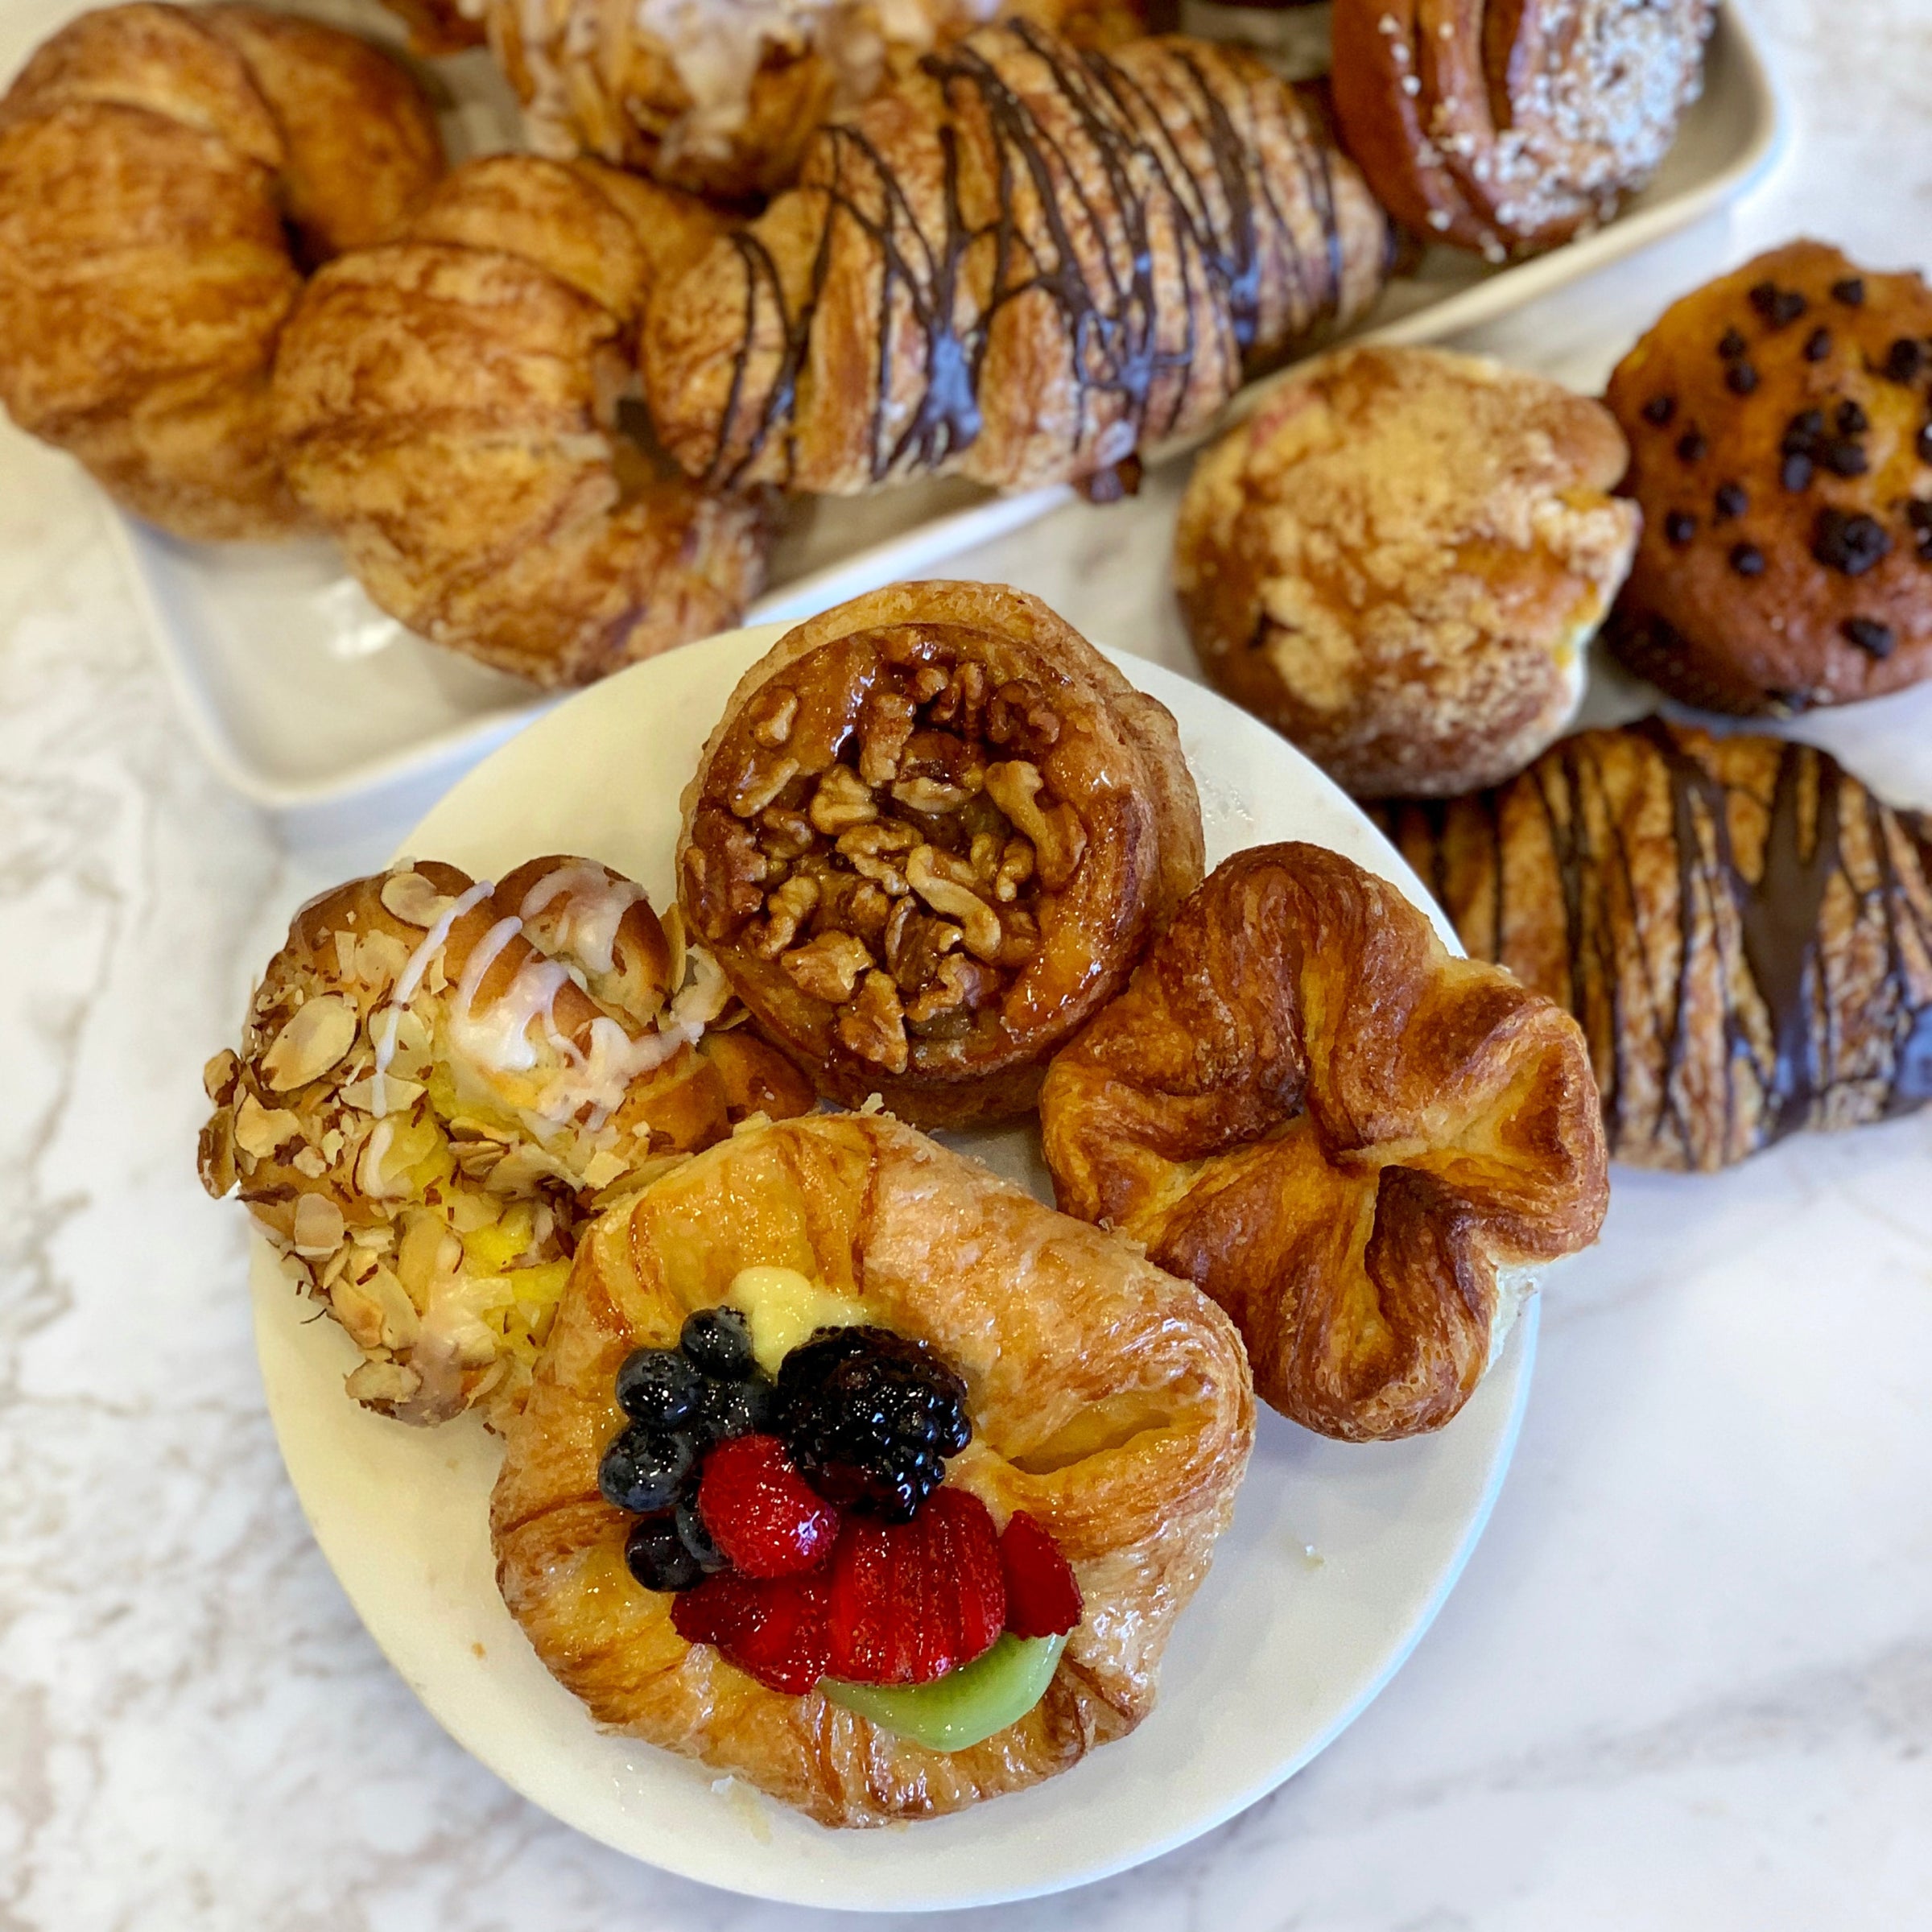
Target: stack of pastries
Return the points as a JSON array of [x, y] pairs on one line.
[[831, 1459], [552, 408]]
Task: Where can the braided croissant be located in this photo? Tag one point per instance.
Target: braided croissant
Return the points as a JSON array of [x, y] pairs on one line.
[[155, 163], [447, 401], [1357, 1144], [1016, 265], [436, 1078], [1803, 998]]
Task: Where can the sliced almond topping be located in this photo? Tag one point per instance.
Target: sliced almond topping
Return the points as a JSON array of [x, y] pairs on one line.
[[316, 1037], [411, 898], [319, 1226], [219, 1075], [262, 1132]]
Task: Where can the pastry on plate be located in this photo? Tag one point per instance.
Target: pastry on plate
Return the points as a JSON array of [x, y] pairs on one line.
[[710, 95], [448, 404], [1802, 996], [1780, 422], [1509, 126], [1016, 264], [438, 1079], [928, 841], [1399, 561], [167, 176], [854, 1471], [1360, 1147]]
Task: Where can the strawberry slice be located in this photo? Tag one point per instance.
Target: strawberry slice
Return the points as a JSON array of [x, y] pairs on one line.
[[773, 1628], [910, 1601], [1042, 1597], [764, 1516]]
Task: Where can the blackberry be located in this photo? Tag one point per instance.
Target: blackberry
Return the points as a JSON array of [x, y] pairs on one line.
[[718, 1340], [657, 1385], [869, 1418]]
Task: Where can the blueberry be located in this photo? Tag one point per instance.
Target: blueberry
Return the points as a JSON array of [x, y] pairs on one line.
[[642, 1469], [657, 1385], [658, 1557], [726, 1410], [718, 1341], [696, 1539]]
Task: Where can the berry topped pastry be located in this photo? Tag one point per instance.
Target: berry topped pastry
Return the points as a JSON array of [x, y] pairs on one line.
[[858, 1473]]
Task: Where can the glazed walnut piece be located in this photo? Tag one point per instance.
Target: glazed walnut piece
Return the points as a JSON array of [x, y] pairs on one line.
[[929, 839]]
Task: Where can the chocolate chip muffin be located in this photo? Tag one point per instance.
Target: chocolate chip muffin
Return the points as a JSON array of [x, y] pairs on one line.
[[1779, 423], [1398, 561]]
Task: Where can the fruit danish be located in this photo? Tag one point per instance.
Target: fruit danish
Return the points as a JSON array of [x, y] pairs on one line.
[[1743, 929], [1016, 264], [1358, 1145], [929, 838], [437, 1079], [837, 1440], [167, 176], [448, 403]]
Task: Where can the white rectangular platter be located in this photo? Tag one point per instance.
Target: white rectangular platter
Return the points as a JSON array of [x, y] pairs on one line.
[[310, 701]]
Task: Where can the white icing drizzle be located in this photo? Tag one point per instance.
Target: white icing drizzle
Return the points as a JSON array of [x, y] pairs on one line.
[[405, 990], [596, 904]]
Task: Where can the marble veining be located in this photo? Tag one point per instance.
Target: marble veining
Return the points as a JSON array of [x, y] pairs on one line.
[[1687, 1681]]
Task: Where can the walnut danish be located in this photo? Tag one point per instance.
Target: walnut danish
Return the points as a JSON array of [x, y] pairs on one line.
[[929, 839], [1509, 126], [437, 1080], [1744, 930], [1108, 1400], [167, 175], [448, 404], [1357, 1144], [1017, 264]]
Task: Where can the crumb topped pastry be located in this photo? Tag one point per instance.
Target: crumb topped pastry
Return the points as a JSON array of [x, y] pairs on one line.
[[929, 839], [1399, 561], [859, 1474], [1360, 1147], [1780, 422]]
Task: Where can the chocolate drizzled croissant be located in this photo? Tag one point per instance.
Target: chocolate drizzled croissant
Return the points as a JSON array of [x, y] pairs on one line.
[[1016, 264], [1744, 930]]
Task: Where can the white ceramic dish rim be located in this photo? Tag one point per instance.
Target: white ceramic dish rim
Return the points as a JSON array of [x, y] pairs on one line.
[[364, 1586], [917, 552]]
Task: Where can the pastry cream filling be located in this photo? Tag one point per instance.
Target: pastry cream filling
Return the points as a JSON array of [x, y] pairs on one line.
[[785, 1307]]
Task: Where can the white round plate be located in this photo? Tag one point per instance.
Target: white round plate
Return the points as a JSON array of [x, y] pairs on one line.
[[1339, 1556]]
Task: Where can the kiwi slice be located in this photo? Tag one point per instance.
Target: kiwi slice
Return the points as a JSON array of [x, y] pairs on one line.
[[966, 1706]]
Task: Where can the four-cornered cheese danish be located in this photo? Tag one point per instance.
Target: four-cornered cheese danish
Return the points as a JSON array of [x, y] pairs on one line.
[[1358, 1145], [928, 840], [437, 1079], [1108, 1401]]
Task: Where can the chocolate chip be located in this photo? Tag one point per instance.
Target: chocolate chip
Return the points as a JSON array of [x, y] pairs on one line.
[[1852, 421], [1740, 378], [1844, 457], [1924, 443], [1796, 472], [1680, 526], [1851, 292], [1730, 501], [1746, 559], [1905, 359], [1805, 425], [1818, 345], [1852, 544], [1660, 409], [1691, 448], [1870, 636], [1730, 345], [1918, 512], [1777, 305]]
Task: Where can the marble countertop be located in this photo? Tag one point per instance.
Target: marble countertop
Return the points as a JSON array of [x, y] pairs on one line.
[[1685, 1681]]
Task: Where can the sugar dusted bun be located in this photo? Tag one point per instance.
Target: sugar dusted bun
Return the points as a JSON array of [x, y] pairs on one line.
[[1398, 561]]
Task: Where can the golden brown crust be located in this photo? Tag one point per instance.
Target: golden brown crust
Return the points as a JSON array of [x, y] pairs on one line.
[[929, 838], [1110, 1400], [1399, 562], [595, 77], [1354, 1142], [1803, 998], [148, 156], [1766, 390], [1507, 126], [437, 1081], [1201, 224], [448, 401]]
